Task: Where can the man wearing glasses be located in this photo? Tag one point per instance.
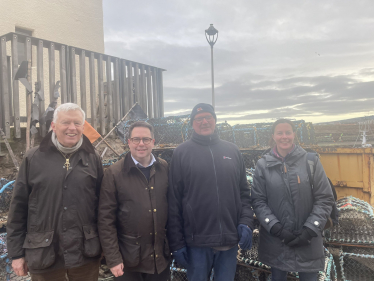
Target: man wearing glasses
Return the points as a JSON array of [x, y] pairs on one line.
[[133, 211], [209, 201]]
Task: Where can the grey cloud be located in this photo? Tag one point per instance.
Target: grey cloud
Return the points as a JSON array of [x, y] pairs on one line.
[[310, 56]]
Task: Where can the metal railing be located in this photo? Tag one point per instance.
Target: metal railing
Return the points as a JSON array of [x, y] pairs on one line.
[[105, 102]]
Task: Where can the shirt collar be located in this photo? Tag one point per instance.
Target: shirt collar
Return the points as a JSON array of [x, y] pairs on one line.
[[153, 160]]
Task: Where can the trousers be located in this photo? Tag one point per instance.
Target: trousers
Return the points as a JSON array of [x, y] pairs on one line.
[[139, 276], [86, 272], [202, 260]]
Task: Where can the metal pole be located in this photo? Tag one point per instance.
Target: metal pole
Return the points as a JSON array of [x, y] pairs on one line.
[[213, 100]]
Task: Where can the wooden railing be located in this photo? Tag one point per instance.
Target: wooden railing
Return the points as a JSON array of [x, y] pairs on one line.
[[104, 103]]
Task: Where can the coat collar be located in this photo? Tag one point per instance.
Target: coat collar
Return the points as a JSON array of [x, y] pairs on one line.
[[272, 160], [47, 144], [128, 163], [205, 140]]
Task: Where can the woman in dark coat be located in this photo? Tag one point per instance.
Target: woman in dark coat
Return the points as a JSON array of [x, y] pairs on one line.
[[291, 212]]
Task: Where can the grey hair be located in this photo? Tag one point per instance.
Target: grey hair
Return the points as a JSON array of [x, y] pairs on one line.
[[65, 107]]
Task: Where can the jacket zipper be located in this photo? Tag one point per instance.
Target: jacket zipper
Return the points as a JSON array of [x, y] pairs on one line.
[[287, 185], [215, 173], [192, 219]]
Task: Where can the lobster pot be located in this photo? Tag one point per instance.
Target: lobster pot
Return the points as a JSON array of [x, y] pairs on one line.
[[356, 223], [357, 267]]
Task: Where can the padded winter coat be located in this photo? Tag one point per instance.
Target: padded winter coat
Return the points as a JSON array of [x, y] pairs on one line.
[[282, 193]]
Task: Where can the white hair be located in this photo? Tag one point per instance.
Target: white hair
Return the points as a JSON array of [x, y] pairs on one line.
[[65, 107]]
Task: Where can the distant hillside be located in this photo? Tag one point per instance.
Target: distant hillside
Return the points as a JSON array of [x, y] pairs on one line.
[[342, 132], [347, 121]]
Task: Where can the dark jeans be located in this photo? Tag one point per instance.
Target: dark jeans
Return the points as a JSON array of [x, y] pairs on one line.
[[202, 260], [279, 275], [138, 276], [87, 272]]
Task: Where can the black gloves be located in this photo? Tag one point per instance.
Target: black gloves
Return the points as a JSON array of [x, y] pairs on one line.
[[278, 231], [304, 238]]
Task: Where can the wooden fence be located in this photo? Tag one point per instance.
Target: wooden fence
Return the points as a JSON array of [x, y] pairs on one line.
[[130, 82]]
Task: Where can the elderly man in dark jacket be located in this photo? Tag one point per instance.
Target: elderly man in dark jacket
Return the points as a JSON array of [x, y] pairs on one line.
[[133, 211], [209, 201], [51, 228]]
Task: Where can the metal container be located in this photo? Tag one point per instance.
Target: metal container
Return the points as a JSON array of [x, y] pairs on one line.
[[351, 170]]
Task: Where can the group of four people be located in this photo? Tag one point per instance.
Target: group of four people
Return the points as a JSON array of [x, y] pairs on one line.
[[66, 212]]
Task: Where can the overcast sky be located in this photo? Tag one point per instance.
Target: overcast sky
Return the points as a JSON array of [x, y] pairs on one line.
[[311, 60]]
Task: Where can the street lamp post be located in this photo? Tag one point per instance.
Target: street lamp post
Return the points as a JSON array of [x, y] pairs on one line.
[[210, 35]]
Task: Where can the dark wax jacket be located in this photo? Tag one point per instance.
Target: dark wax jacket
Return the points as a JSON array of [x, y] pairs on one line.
[[133, 216], [282, 193], [208, 193], [53, 212]]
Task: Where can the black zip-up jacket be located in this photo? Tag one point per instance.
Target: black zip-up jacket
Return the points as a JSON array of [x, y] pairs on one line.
[[208, 194]]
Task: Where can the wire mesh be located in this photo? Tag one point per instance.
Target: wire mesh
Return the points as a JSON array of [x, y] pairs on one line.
[[173, 130], [6, 190], [356, 223], [6, 272], [357, 267]]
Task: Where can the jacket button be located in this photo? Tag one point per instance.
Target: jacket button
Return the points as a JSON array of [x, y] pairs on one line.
[[65, 187], [155, 233], [156, 256], [150, 233], [150, 210], [64, 229], [154, 210], [137, 243], [267, 220], [151, 256], [146, 188], [65, 208], [316, 223], [151, 187]]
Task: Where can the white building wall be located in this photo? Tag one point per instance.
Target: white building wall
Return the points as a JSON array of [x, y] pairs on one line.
[[76, 23]]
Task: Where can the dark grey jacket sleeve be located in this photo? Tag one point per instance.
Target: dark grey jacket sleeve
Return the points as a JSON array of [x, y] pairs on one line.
[[175, 197], [246, 217], [259, 198], [323, 200]]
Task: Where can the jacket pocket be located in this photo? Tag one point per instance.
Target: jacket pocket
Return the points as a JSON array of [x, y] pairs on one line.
[[130, 250], [39, 251], [92, 247]]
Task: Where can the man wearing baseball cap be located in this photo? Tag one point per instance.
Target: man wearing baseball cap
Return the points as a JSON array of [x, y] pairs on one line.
[[209, 201]]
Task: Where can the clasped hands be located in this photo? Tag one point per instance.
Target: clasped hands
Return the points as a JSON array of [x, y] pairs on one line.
[[293, 239]]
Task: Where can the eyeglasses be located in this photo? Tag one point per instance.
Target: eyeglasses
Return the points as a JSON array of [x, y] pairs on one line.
[[137, 140], [200, 119]]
